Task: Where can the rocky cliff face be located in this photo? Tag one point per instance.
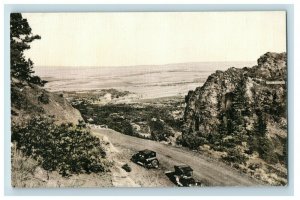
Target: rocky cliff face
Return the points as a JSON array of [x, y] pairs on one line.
[[28, 100], [241, 111]]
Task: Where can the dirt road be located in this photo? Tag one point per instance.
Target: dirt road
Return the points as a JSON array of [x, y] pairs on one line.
[[209, 171]]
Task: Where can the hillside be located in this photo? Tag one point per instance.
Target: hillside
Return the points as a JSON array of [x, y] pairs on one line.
[[50, 141], [51, 146], [29, 99], [240, 116]]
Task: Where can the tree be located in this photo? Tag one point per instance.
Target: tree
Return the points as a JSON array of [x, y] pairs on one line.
[[261, 125], [20, 38]]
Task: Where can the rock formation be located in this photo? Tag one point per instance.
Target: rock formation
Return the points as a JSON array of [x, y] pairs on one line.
[[241, 107]]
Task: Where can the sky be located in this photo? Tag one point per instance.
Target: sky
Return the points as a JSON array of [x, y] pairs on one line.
[[148, 38]]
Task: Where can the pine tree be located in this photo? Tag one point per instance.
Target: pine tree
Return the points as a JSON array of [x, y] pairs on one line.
[[261, 124], [20, 38]]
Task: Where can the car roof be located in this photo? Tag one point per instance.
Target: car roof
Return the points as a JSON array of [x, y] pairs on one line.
[[184, 167], [147, 151]]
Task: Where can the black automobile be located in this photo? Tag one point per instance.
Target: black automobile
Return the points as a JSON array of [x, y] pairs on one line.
[[182, 176], [146, 158]]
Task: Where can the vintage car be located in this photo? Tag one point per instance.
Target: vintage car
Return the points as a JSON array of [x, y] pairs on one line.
[[146, 158], [183, 176]]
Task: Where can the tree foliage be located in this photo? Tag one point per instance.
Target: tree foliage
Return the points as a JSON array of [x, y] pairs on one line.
[[65, 148], [235, 156], [160, 131], [194, 140], [20, 39]]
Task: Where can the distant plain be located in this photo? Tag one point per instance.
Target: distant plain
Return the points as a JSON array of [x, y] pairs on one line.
[[147, 81]]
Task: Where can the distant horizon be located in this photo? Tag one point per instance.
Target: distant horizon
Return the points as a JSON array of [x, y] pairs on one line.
[[157, 80], [192, 62], [145, 80]]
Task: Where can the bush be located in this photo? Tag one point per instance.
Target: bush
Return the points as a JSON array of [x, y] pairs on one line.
[[160, 131], [65, 148], [179, 140], [266, 150], [120, 117], [44, 98], [120, 125], [264, 147], [193, 141], [17, 98], [235, 156], [20, 101], [230, 141], [37, 80]]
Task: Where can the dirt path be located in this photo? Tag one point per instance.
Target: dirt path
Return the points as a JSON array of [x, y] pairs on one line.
[[209, 171]]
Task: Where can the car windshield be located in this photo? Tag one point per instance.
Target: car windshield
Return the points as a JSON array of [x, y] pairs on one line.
[[147, 153], [187, 171]]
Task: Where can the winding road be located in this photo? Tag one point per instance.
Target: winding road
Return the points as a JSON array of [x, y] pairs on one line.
[[209, 171]]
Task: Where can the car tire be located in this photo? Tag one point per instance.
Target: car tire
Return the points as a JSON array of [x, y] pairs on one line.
[[155, 163]]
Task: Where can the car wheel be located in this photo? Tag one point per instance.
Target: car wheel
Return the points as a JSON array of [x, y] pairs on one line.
[[155, 163]]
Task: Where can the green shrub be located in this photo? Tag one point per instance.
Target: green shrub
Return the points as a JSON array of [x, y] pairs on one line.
[[65, 148]]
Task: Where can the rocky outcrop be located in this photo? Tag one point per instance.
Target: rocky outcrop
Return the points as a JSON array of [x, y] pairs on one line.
[[248, 104]]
